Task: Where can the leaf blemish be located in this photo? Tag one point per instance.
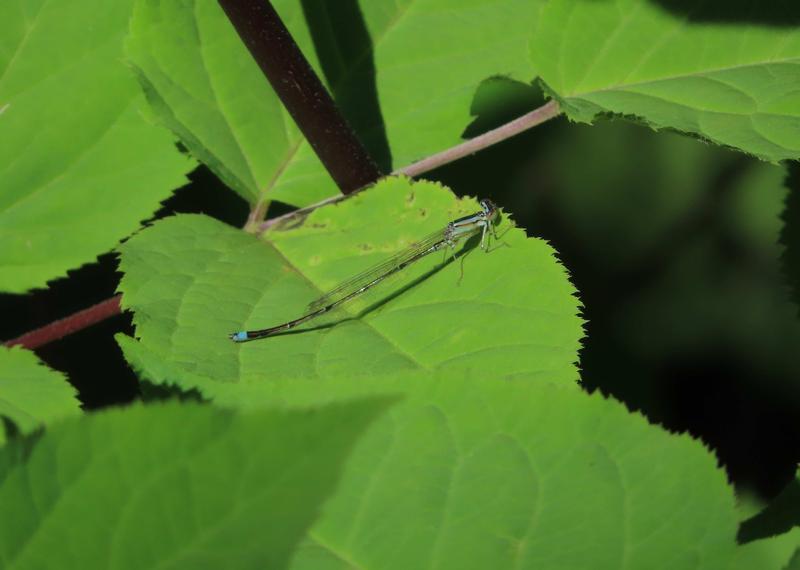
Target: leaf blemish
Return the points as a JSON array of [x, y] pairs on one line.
[[410, 200], [314, 260]]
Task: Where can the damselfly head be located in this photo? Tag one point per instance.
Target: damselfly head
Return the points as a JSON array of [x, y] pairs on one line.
[[489, 209]]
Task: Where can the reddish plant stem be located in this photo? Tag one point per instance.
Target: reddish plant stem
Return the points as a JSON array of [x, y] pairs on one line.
[[68, 325]]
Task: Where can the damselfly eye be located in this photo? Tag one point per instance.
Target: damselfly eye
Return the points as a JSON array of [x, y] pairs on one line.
[[488, 208]]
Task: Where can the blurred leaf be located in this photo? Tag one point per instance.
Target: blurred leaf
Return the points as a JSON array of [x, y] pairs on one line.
[[794, 563], [80, 167], [32, 394], [779, 517], [771, 536], [174, 486], [726, 283], [203, 83], [735, 84], [474, 471], [634, 191], [773, 553], [191, 280], [674, 245]]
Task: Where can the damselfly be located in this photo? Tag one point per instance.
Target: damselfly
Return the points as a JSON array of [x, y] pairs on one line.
[[451, 235]]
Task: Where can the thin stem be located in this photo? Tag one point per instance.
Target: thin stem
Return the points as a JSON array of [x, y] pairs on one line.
[[265, 225], [68, 325], [510, 129]]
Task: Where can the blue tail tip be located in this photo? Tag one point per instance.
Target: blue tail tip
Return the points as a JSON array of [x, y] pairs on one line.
[[240, 336]]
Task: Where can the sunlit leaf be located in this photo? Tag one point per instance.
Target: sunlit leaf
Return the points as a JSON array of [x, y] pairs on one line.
[[191, 281], [474, 471], [735, 83], [32, 394], [173, 486], [79, 164]]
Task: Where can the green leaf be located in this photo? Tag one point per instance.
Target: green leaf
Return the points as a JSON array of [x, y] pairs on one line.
[[780, 516], [470, 471], [175, 486], [735, 84], [31, 394], [80, 167], [794, 563], [191, 281], [383, 61], [203, 84], [770, 535], [772, 553]]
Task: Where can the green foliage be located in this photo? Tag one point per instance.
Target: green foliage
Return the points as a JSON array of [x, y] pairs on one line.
[[735, 84], [80, 167], [486, 472], [191, 280], [174, 486], [32, 394], [489, 456], [770, 553], [204, 86]]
